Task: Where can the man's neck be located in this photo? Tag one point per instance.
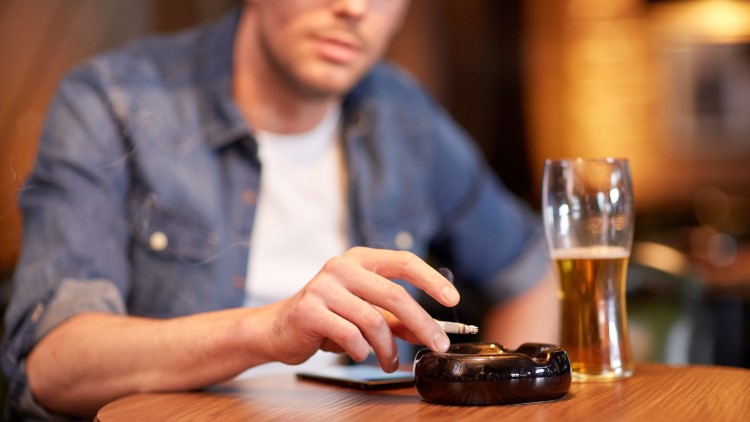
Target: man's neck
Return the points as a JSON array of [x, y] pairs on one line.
[[271, 111], [267, 101]]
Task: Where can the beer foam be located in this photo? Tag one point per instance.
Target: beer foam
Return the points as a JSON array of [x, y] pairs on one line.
[[591, 252]]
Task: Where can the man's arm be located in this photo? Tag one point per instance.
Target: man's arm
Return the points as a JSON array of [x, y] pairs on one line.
[[533, 316], [93, 358], [350, 305]]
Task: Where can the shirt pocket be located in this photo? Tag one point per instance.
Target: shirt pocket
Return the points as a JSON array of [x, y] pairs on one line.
[[172, 232], [405, 225]]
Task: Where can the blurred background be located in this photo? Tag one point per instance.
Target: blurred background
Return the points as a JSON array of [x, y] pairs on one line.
[[663, 83]]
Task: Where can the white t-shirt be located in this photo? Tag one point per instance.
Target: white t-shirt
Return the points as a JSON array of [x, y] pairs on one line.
[[300, 219]]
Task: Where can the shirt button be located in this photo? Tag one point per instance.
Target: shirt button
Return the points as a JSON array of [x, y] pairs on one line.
[[158, 241], [248, 197], [37, 314], [239, 282], [404, 240]]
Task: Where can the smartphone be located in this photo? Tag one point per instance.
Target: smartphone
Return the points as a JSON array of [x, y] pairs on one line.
[[363, 377]]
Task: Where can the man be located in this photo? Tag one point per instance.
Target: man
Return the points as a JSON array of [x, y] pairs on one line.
[[148, 224]]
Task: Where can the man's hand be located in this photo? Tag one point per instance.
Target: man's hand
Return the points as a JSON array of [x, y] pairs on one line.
[[352, 305]]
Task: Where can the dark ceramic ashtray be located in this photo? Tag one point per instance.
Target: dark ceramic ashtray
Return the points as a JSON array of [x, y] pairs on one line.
[[482, 374]]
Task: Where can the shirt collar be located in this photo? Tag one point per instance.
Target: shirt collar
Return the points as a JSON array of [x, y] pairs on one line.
[[224, 123]]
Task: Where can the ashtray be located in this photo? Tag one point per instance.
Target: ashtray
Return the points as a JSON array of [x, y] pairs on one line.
[[483, 374]]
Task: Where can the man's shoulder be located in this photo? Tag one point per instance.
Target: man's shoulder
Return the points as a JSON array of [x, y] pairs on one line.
[[154, 56], [157, 59], [389, 86], [390, 78]]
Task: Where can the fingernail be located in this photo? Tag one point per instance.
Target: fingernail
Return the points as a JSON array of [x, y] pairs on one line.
[[394, 364], [441, 342], [450, 294]]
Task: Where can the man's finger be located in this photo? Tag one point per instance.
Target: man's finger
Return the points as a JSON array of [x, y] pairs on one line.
[[407, 266]]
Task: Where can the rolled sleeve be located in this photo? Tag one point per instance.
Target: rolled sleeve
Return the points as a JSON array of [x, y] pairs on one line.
[[71, 298], [76, 296]]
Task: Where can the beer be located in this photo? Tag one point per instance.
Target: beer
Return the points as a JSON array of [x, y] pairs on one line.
[[594, 328]]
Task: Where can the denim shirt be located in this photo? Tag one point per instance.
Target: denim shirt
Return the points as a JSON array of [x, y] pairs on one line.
[[142, 198]]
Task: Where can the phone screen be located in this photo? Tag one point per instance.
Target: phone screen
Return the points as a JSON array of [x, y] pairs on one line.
[[363, 377]]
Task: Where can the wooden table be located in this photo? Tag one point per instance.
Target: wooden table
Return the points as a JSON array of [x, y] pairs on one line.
[[655, 393]]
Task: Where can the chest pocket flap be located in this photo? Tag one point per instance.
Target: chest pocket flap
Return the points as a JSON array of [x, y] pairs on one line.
[[172, 232]]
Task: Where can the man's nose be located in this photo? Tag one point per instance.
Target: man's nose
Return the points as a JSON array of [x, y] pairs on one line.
[[351, 8]]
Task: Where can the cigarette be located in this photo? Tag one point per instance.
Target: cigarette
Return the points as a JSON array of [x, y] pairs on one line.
[[457, 327]]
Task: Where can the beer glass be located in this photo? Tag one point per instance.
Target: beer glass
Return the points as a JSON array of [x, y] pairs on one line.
[[587, 207]]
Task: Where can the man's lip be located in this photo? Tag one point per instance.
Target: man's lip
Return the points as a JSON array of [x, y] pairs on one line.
[[337, 48]]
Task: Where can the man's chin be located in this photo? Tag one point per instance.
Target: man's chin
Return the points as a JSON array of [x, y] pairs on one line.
[[329, 83]]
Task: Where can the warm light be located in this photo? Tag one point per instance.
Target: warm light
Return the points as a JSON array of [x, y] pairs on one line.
[[724, 19], [661, 257], [709, 20]]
